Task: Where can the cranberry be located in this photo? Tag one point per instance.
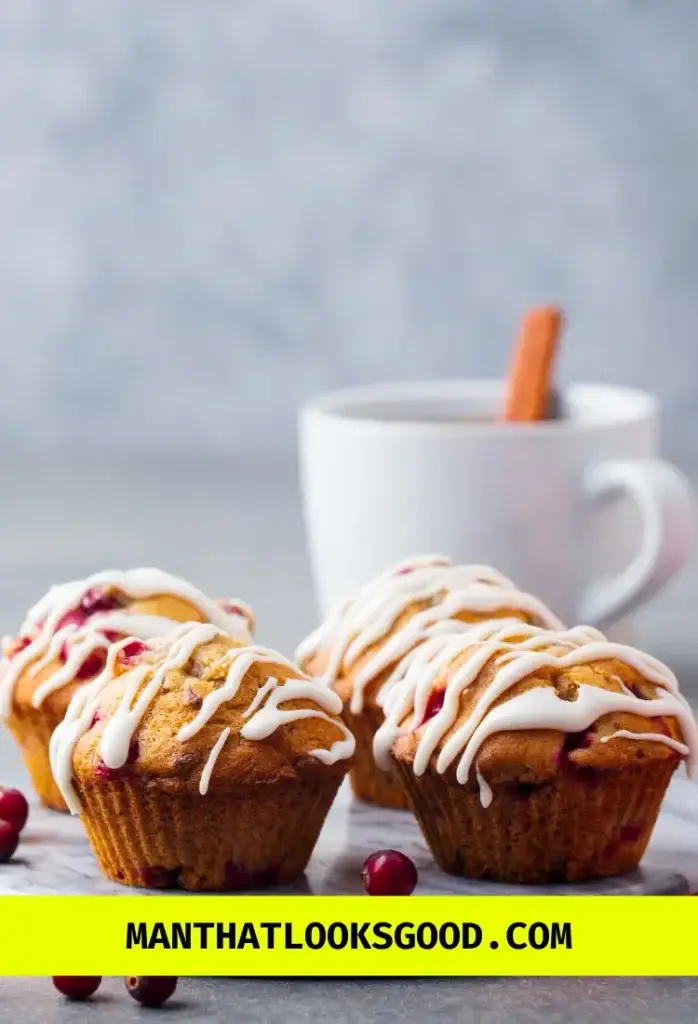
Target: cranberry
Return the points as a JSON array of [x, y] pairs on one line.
[[236, 878], [9, 837], [95, 600], [571, 741], [20, 645], [77, 986], [13, 808], [92, 665], [434, 704], [577, 741], [404, 572], [111, 635], [160, 878], [389, 873], [133, 650], [94, 720], [104, 773], [75, 617], [151, 991], [630, 833]]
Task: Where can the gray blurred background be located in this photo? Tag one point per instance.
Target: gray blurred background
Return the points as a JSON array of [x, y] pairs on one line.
[[210, 210]]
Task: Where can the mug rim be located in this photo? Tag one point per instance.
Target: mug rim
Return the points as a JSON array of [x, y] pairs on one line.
[[613, 405]]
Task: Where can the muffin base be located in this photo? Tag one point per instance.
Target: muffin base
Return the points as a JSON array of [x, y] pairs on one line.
[[32, 729], [570, 829], [225, 841], [367, 780]]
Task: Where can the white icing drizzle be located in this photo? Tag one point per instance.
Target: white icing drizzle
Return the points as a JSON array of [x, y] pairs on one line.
[[212, 758], [654, 737], [79, 641], [77, 721], [367, 618], [270, 717], [486, 794], [518, 650], [263, 718]]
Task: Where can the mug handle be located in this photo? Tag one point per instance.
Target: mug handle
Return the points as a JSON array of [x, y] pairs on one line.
[[667, 507]]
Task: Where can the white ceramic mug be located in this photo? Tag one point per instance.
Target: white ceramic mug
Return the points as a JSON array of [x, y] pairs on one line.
[[579, 511]]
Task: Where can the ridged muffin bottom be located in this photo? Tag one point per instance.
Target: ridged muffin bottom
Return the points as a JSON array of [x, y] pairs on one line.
[[251, 837], [570, 829], [368, 781], [32, 728]]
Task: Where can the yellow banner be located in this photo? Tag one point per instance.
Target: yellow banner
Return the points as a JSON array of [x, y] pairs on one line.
[[348, 935]]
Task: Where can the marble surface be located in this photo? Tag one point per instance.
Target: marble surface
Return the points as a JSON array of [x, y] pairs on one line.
[[55, 858], [211, 210], [234, 526]]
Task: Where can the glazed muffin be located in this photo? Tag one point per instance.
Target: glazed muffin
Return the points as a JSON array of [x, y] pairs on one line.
[[531, 755], [201, 763], [65, 640], [355, 650]]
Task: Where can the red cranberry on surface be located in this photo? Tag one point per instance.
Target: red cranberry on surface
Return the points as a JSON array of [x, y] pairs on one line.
[[9, 837], [389, 873], [13, 808], [151, 991], [77, 986]]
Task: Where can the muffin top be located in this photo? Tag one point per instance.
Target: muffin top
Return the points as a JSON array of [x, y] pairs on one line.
[[66, 636], [519, 704], [194, 710], [416, 599]]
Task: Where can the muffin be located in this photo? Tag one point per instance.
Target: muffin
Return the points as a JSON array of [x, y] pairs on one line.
[[355, 650], [531, 755], [201, 763], [65, 640]]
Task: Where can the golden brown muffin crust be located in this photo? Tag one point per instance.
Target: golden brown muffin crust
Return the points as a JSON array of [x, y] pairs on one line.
[[533, 755], [344, 682], [177, 765], [167, 606]]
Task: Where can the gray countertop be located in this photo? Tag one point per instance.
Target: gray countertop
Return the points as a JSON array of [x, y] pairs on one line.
[[361, 1001], [234, 528]]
